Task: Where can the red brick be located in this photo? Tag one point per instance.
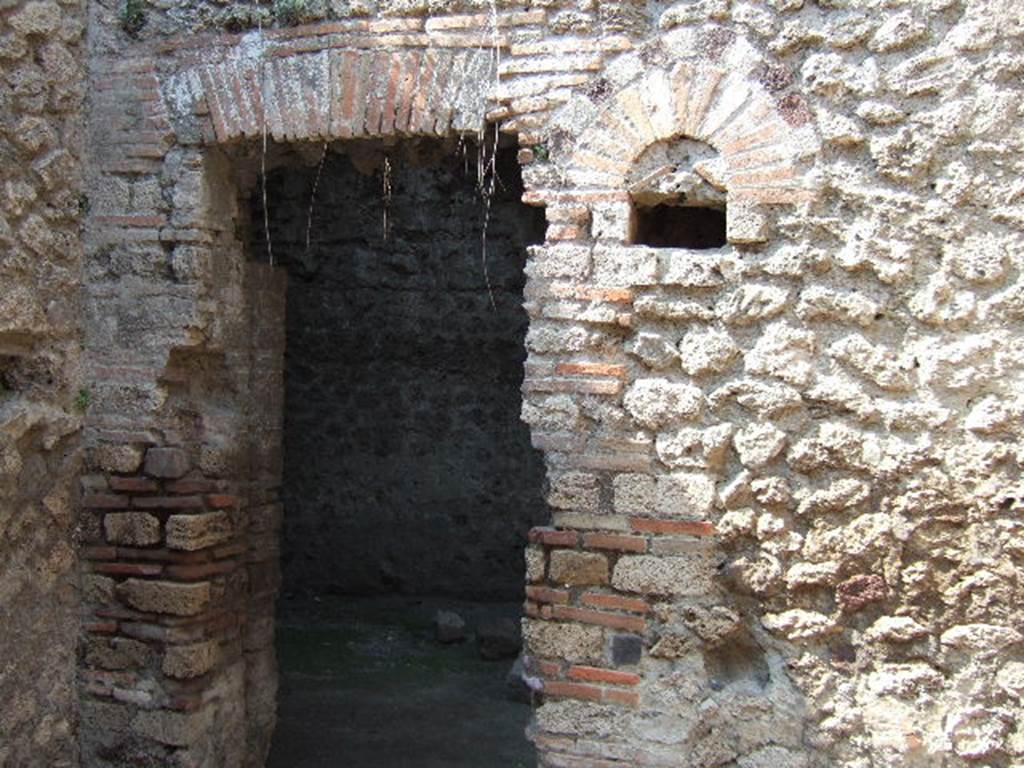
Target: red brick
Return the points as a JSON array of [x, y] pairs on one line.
[[104, 501], [200, 571], [128, 569], [133, 484], [532, 610], [629, 698], [691, 527], [100, 627], [221, 500], [565, 232], [548, 668], [410, 82], [585, 386], [168, 502], [230, 550], [591, 693], [614, 602], [615, 541], [548, 595], [599, 675], [612, 620], [161, 555], [573, 690], [189, 486], [98, 553], [553, 537], [182, 703]]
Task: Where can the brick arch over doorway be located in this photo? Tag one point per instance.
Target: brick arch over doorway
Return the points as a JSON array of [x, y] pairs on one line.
[[180, 518]]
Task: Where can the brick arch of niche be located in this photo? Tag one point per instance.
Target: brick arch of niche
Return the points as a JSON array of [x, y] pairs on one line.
[[637, 458], [180, 509]]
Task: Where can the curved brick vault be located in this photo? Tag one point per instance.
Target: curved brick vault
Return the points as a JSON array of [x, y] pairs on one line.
[[754, 136], [342, 94]]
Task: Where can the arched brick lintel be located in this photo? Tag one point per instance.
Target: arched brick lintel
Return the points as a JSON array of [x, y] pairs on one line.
[[337, 94], [764, 146]]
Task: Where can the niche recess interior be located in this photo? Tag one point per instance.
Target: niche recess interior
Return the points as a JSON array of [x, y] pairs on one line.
[[678, 200]]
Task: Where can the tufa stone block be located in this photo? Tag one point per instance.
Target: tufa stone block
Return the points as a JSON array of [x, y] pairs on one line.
[[647, 574], [165, 596], [578, 568], [186, 661], [192, 532], [135, 529], [168, 463], [117, 458]]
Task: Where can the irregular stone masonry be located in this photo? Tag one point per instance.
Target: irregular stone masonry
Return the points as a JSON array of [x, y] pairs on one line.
[[797, 455]]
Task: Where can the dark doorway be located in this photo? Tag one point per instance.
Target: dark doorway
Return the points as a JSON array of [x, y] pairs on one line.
[[409, 480]]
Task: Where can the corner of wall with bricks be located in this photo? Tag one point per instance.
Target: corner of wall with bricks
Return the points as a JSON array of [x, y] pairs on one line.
[[784, 471]]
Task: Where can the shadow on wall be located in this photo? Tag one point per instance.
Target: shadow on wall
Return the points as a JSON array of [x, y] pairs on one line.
[[407, 468]]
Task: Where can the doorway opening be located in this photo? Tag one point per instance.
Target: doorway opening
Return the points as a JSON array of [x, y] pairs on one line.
[[409, 479]]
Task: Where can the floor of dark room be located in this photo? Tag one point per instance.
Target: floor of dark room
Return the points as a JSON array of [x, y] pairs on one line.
[[366, 683]]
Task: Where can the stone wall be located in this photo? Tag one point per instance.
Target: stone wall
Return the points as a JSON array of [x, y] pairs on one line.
[[41, 203], [402, 378], [806, 508], [785, 472]]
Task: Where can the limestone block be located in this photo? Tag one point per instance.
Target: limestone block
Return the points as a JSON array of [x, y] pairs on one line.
[[798, 624], [693, 448], [704, 351], [783, 351], [654, 402], [625, 266], [654, 350], [758, 444], [746, 222]]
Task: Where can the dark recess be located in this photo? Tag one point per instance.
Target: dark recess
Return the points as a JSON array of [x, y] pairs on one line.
[[406, 466], [677, 226]]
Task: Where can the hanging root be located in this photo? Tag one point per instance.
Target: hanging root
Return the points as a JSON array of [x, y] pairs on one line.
[[312, 197], [386, 224]]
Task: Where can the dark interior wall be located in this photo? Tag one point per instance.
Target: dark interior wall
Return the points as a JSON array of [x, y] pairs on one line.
[[406, 465]]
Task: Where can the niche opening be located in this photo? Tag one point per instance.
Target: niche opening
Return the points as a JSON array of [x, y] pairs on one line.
[[677, 226]]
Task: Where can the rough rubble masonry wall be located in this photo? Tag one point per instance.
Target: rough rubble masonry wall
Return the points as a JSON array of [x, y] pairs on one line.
[[785, 472], [402, 379], [41, 204]]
